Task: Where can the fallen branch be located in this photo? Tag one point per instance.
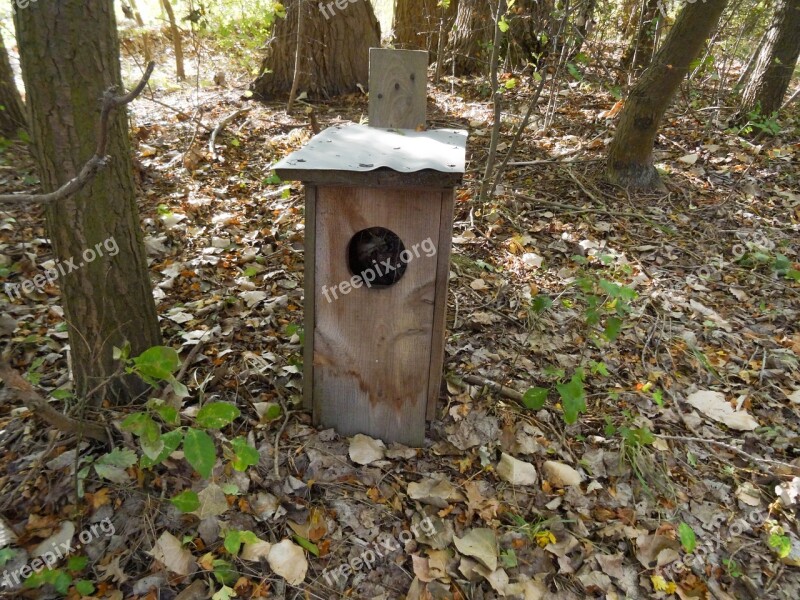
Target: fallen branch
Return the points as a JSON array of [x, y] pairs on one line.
[[581, 209], [730, 448], [503, 390], [95, 164], [42, 409], [218, 129]]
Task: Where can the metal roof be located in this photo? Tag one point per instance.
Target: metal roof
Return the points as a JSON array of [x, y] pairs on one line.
[[360, 148]]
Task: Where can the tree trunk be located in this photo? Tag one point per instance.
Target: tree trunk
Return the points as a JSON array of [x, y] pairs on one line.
[[775, 65], [470, 37], [630, 155], [336, 56], [12, 111], [584, 23], [107, 295], [527, 21], [176, 40], [137, 16], [640, 50], [416, 24]]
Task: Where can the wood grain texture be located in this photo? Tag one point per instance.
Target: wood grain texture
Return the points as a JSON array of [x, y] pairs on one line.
[[372, 347], [309, 260], [440, 303], [397, 88]]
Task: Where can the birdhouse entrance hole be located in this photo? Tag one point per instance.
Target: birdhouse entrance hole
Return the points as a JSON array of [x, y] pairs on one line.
[[378, 256]]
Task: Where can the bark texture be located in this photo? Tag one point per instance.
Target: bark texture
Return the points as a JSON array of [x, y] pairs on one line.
[[12, 111], [630, 155], [640, 50], [107, 298], [527, 21], [334, 53], [776, 62], [417, 24], [467, 47]]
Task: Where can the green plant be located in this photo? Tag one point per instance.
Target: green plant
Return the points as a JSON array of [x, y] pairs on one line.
[[571, 393], [537, 530], [767, 124], [779, 542], [732, 567], [240, 28], [234, 539], [62, 579], [158, 365]]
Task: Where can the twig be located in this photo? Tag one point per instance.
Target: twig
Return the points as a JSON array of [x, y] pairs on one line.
[[503, 390], [42, 409], [288, 414], [192, 355], [515, 141], [729, 447], [94, 164], [580, 209], [218, 129], [179, 112]]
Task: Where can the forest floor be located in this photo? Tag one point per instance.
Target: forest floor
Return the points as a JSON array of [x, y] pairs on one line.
[[673, 316]]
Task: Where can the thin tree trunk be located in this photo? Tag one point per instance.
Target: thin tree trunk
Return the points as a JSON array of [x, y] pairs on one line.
[[298, 58], [338, 43], [775, 65], [640, 50], [97, 240], [12, 111], [748, 69], [584, 23], [497, 99], [176, 40], [630, 155], [136, 14]]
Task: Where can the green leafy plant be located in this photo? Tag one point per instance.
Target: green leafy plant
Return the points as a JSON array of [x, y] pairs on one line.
[[780, 543], [571, 394], [158, 365], [62, 579], [732, 567], [767, 124], [234, 539]]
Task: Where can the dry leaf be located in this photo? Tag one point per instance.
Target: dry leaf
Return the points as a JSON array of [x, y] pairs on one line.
[[288, 560], [713, 405], [365, 450], [516, 472], [561, 475], [170, 553], [480, 544]]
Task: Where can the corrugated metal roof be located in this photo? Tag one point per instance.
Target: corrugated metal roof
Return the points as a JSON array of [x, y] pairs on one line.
[[361, 148]]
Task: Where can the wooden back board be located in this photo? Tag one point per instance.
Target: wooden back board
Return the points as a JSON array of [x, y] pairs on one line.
[[397, 88]]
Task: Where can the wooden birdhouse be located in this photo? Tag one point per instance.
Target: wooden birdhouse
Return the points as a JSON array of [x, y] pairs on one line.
[[379, 211]]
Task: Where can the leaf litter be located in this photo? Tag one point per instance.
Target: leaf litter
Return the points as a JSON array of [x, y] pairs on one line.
[[664, 331]]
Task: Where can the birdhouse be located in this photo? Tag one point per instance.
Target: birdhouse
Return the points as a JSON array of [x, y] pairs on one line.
[[378, 223], [379, 219]]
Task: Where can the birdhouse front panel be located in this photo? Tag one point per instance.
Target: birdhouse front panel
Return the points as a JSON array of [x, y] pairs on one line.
[[376, 256]]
